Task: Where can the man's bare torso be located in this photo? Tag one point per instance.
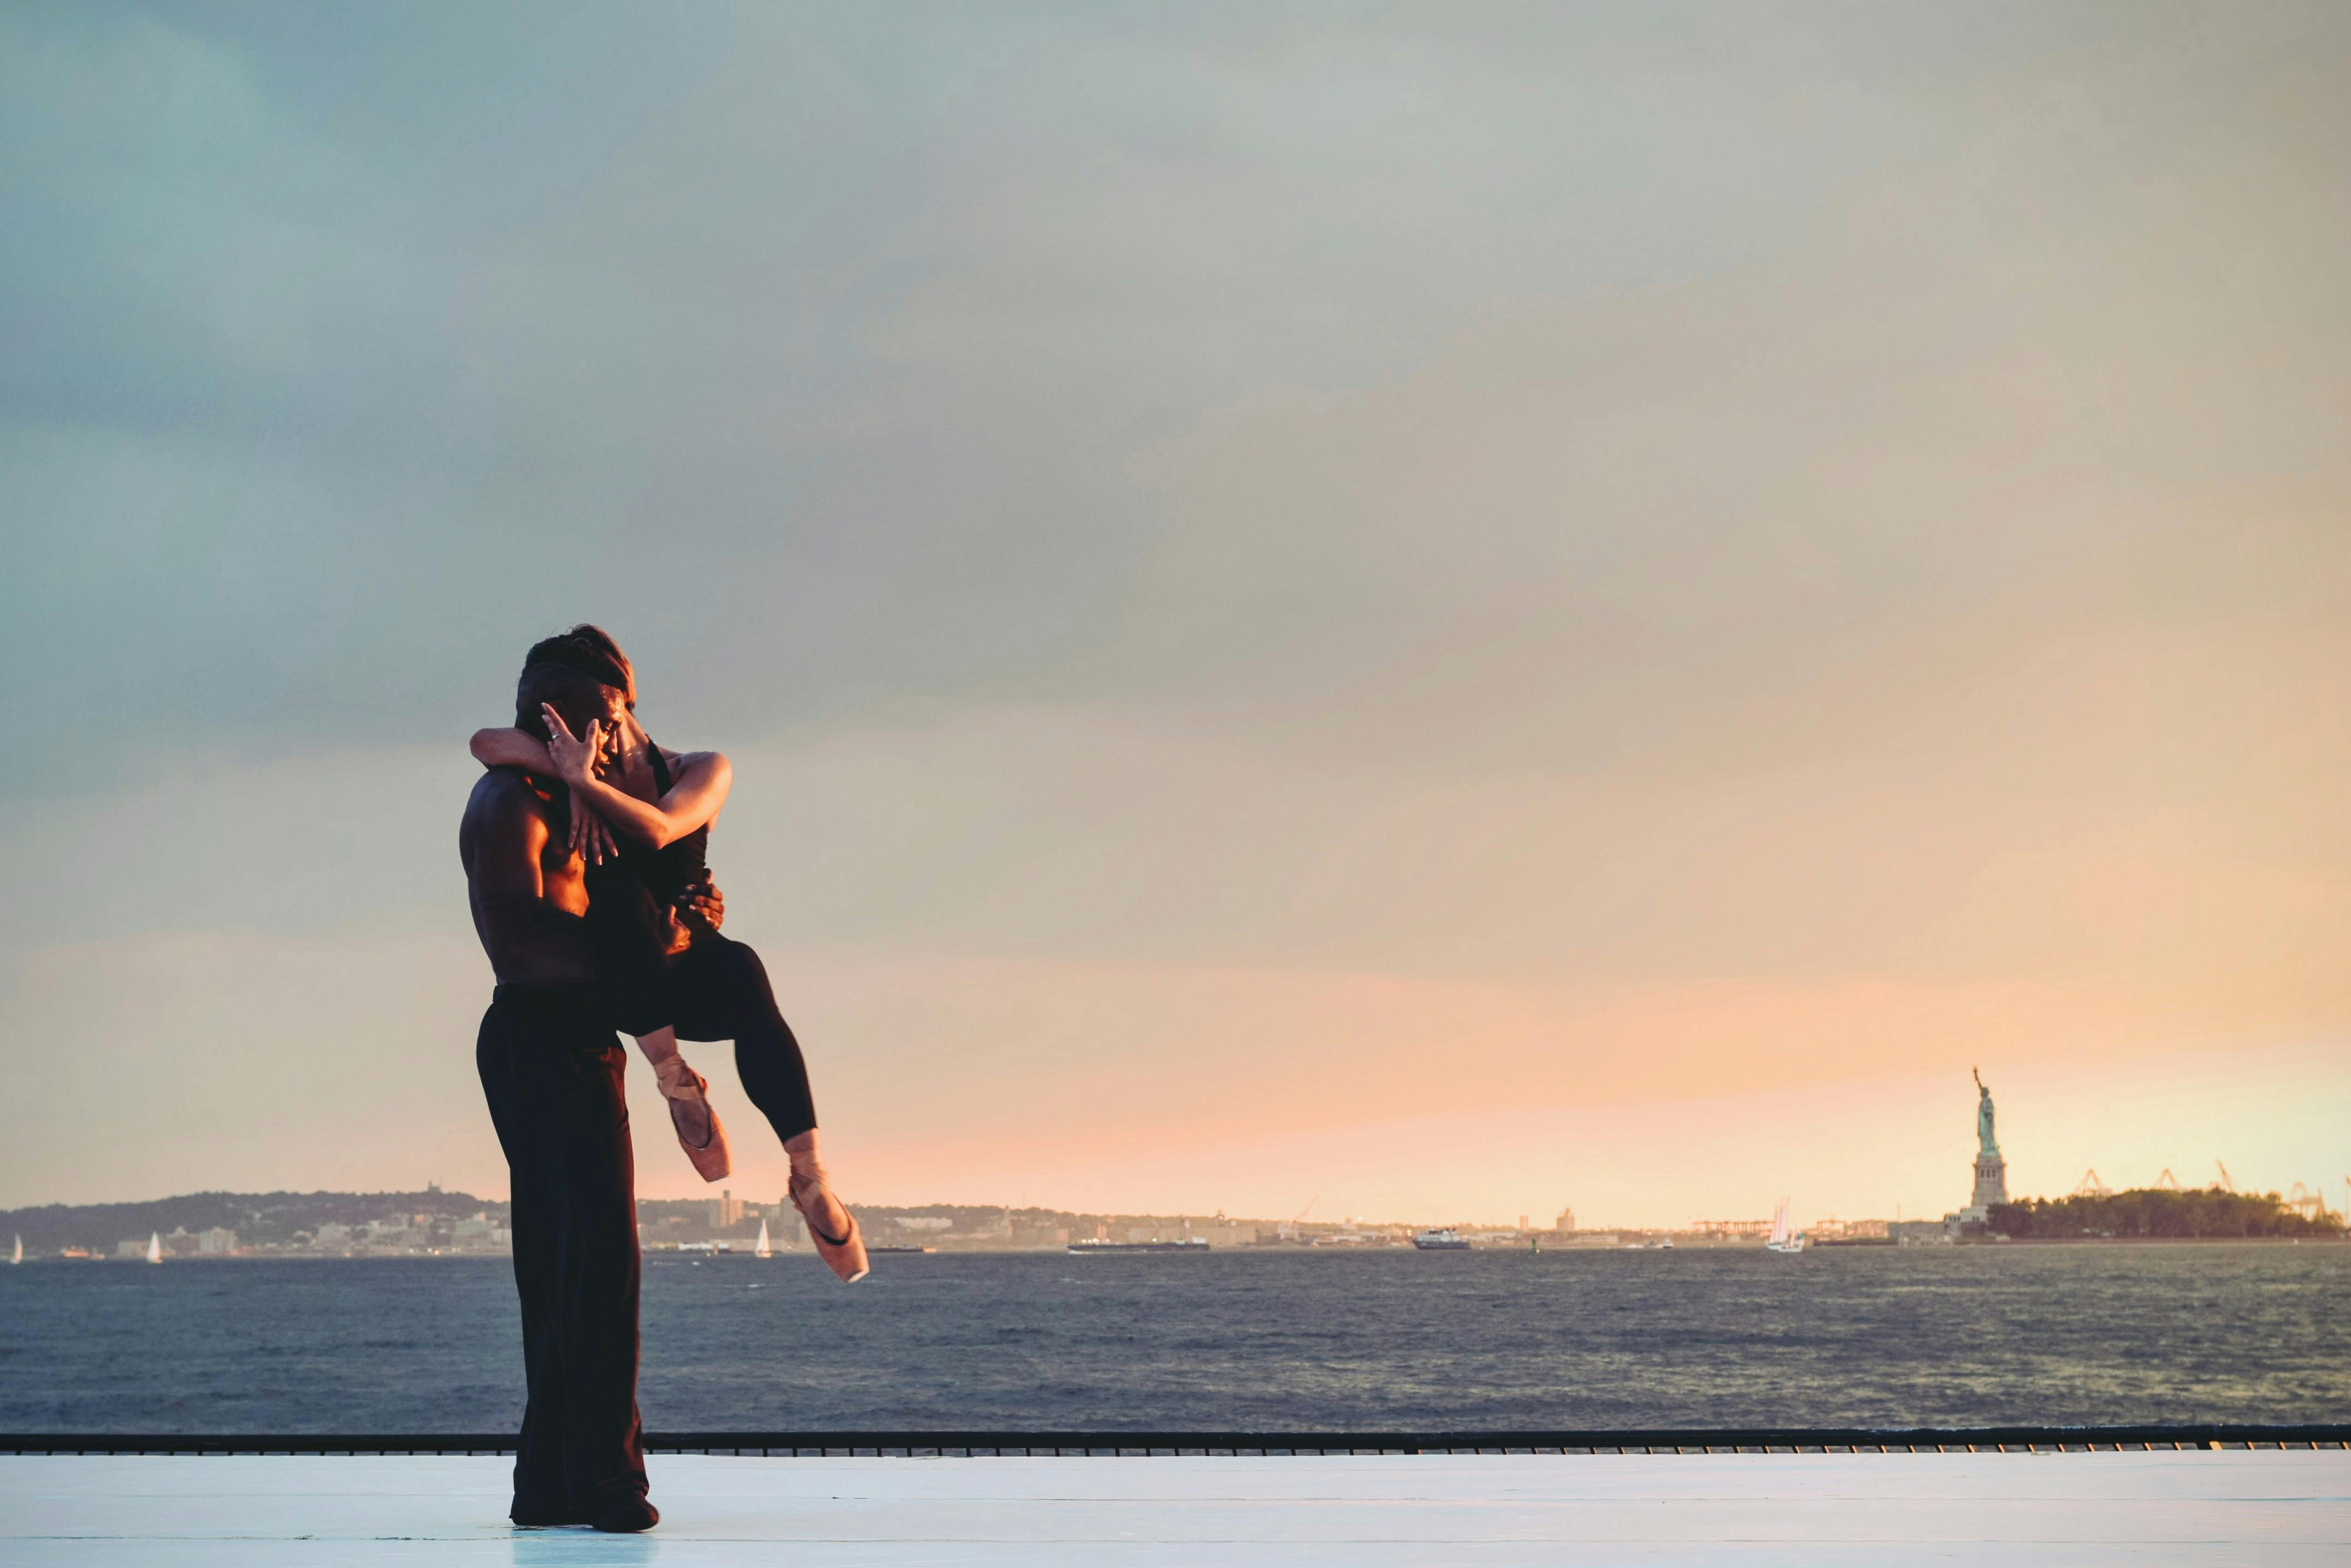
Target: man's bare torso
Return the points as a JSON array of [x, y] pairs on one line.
[[526, 889]]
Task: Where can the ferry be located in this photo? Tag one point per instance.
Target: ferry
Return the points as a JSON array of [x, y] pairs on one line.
[[1187, 1244], [1446, 1240]]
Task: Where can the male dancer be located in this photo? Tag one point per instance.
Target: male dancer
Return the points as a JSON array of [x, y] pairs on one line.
[[550, 1067]]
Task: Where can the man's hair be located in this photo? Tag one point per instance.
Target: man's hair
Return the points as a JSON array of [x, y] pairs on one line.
[[578, 696], [590, 650]]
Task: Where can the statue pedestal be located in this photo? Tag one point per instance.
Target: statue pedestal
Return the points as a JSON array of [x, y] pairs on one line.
[[1991, 1187]]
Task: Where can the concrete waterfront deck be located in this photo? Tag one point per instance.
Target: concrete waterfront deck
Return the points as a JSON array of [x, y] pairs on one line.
[[2158, 1508]]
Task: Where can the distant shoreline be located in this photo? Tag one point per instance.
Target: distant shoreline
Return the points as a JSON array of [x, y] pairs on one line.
[[1258, 1250]]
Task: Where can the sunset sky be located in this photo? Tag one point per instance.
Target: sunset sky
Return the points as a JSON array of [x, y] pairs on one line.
[[1435, 612]]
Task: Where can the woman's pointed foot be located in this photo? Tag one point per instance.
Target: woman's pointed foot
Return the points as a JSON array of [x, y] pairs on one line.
[[832, 1228], [699, 1132]]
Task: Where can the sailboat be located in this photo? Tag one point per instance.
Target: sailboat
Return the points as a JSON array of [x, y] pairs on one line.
[[154, 1248], [17, 1253], [1783, 1240], [762, 1250]]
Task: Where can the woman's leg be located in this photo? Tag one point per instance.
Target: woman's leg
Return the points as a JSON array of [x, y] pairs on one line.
[[699, 1131], [723, 994]]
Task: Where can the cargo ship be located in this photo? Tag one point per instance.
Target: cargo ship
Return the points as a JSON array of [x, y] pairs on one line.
[[1446, 1240]]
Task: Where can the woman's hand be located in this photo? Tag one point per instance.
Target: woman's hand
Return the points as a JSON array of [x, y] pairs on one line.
[[591, 836], [575, 757]]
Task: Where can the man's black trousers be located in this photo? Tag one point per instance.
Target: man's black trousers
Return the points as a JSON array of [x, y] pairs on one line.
[[551, 1066]]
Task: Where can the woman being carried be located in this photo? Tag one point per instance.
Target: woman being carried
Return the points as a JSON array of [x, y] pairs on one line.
[[642, 816]]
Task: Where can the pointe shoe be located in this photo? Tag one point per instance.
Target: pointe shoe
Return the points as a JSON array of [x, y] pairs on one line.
[[686, 1092], [844, 1255]]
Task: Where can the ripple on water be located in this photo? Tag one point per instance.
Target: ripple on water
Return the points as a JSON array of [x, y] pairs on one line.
[[1970, 1337]]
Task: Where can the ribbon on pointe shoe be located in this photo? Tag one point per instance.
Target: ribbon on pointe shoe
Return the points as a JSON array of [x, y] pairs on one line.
[[686, 1089], [844, 1254]]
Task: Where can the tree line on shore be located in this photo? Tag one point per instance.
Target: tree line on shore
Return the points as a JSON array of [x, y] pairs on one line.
[[2159, 1213]]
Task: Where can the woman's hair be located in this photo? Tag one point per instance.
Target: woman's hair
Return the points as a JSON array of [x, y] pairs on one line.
[[590, 650]]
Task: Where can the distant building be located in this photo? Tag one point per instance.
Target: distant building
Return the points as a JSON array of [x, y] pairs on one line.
[[400, 1231], [726, 1211], [331, 1237], [135, 1246], [1566, 1222], [217, 1242]]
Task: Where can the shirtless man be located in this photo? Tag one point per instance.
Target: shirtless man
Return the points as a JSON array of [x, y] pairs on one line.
[[551, 1066]]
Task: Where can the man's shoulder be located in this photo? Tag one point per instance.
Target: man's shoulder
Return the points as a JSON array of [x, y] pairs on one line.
[[504, 794]]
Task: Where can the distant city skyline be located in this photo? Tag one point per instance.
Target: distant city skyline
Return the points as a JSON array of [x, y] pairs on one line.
[[438, 1222], [2234, 1119], [1448, 612]]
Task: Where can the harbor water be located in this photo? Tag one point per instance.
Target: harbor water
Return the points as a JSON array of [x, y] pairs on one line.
[[1454, 1341]]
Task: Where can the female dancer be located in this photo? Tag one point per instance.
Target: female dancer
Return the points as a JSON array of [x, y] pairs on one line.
[[642, 816]]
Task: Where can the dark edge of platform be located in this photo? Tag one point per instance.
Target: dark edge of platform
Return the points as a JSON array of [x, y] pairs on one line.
[[1666, 1440]]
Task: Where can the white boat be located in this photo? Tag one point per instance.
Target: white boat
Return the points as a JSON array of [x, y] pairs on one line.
[[154, 1248], [1783, 1240], [17, 1253], [1446, 1240], [763, 1250]]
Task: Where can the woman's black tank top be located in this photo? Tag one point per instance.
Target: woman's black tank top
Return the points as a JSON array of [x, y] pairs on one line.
[[630, 897], [672, 869]]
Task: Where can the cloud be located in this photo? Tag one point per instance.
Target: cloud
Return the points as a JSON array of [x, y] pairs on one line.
[[1839, 514]]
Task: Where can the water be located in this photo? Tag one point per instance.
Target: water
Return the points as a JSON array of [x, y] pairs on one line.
[[1568, 1339]]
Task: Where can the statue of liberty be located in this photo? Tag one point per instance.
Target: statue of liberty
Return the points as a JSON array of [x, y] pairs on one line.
[[1990, 1150]]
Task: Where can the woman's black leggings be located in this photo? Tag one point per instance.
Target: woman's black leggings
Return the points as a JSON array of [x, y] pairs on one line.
[[722, 993]]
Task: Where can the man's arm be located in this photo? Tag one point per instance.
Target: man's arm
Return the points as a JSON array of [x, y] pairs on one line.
[[504, 841]]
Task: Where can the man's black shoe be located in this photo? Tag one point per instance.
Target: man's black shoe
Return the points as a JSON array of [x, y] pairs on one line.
[[627, 1515]]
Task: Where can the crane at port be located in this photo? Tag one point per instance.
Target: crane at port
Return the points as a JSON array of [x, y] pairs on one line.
[[2092, 1186], [2226, 1185], [2167, 1182]]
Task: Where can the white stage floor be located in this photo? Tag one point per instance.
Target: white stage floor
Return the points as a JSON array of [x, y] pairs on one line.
[[2261, 1507]]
